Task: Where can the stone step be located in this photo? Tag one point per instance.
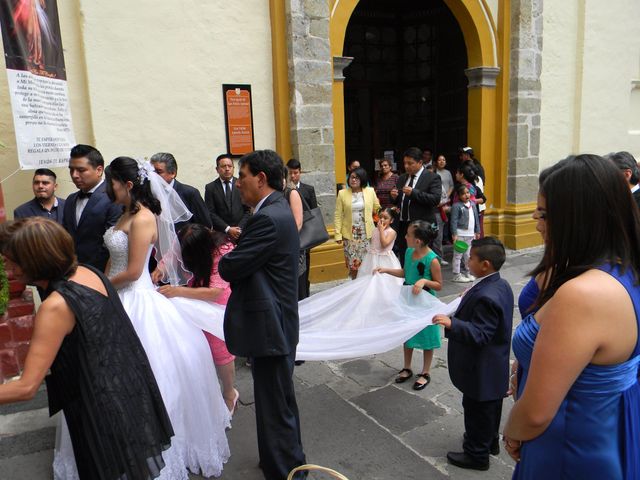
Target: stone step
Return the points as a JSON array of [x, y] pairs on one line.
[[26, 427], [36, 403], [26, 432]]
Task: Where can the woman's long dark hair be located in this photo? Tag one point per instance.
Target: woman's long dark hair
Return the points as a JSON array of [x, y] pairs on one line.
[[591, 220], [125, 169], [198, 243], [468, 172]]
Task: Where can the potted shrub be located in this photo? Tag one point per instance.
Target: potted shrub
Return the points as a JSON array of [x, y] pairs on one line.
[[4, 288]]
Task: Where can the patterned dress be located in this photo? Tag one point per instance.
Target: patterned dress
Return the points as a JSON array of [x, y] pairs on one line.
[[356, 248], [383, 189]]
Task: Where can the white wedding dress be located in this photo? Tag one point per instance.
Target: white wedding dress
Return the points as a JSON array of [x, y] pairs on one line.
[[181, 361], [378, 256], [370, 315]]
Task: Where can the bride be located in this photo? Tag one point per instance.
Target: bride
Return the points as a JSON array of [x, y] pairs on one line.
[[177, 350]]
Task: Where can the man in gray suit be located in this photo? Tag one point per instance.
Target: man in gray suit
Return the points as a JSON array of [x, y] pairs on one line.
[[261, 318]]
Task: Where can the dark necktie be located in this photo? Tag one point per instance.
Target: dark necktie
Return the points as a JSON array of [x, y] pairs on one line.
[[227, 192], [405, 201], [82, 195]]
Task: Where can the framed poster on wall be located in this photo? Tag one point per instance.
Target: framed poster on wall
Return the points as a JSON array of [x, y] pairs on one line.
[[238, 118]]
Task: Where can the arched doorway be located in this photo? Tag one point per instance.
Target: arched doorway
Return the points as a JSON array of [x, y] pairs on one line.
[[406, 85]]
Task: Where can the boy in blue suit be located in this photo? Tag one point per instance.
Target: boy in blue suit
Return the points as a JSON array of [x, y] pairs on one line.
[[479, 336]]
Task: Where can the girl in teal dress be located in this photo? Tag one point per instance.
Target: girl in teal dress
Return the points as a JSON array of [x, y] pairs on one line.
[[422, 270]]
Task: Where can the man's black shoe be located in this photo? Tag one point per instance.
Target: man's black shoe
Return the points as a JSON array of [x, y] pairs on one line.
[[462, 460]]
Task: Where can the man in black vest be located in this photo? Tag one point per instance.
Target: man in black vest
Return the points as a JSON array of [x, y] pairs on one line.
[[88, 213], [227, 212], [417, 195]]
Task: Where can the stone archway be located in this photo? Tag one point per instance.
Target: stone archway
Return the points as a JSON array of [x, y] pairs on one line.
[[482, 53], [307, 41], [491, 106], [406, 85]]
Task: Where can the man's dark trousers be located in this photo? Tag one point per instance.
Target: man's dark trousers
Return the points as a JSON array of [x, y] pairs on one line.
[[278, 422], [482, 424]]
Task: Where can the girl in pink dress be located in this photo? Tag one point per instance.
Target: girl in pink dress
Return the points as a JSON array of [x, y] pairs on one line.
[[201, 253]]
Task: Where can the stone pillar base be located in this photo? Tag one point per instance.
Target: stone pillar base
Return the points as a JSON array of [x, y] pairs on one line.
[[327, 262], [514, 226]]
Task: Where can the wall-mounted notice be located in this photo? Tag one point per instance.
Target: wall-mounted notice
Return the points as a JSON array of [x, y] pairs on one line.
[[37, 82], [238, 115]]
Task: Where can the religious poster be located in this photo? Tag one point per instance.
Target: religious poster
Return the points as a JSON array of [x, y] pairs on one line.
[[238, 119], [37, 82]]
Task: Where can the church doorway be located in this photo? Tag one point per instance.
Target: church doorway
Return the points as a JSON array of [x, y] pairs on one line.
[[406, 85]]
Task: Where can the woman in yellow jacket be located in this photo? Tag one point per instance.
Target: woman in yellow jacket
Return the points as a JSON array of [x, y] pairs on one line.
[[353, 220]]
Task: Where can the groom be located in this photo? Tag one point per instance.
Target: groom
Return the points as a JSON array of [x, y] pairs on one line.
[[261, 318], [88, 213]]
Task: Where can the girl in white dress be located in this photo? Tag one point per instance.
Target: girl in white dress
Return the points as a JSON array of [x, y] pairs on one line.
[[177, 350], [380, 253]]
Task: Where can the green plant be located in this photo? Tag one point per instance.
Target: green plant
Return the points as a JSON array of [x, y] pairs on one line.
[[4, 288]]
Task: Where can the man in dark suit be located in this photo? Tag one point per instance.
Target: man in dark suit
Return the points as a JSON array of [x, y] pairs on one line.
[[308, 194], [45, 202], [89, 213], [227, 212], [417, 195], [261, 318], [627, 163], [306, 191], [479, 334], [166, 166]]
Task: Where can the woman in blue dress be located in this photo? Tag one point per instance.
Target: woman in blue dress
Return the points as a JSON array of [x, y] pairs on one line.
[[578, 410]]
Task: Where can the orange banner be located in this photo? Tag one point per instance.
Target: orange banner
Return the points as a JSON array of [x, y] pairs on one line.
[[239, 120]]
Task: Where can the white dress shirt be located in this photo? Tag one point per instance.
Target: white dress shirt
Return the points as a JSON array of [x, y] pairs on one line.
[[406, 184], [82, 202], [259, 204]]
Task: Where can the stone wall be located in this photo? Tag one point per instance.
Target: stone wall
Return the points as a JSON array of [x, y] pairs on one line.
[[16, 328], [524, 100], [310, 87]]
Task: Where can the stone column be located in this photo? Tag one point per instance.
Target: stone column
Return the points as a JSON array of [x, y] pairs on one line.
[[310, 87], [524, 100]]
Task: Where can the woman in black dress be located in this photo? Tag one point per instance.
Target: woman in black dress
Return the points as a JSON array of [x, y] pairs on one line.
[[100, 376]]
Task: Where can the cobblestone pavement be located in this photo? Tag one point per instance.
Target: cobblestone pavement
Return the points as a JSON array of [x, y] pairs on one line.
[[355, 419]]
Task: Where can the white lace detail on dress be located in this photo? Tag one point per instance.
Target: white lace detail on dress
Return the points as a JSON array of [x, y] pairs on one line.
[[117, 242]]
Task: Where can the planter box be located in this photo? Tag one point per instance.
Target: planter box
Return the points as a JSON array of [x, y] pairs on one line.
[[16, 329], [19, 307]]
